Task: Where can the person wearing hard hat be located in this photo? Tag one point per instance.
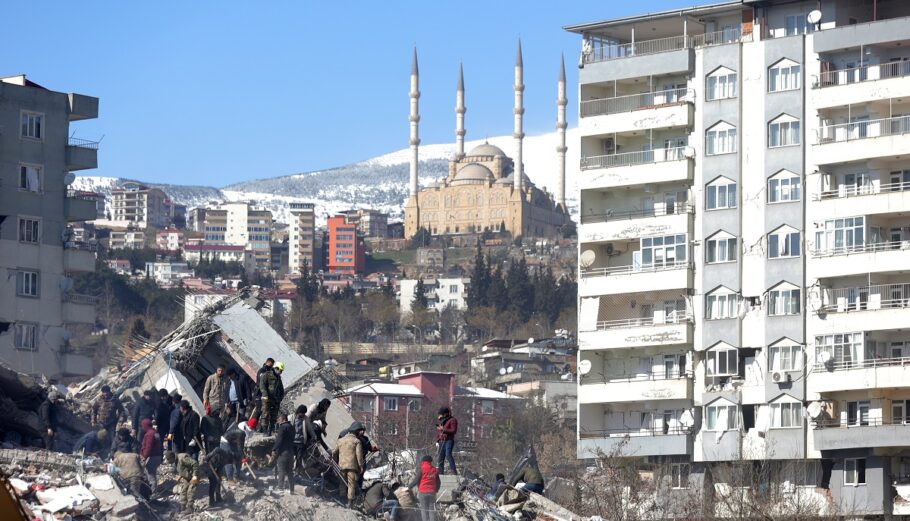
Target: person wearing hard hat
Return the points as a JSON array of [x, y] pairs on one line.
[[272, 390]]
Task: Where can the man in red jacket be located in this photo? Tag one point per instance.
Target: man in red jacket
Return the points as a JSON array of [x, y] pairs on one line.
[[150, 451], [446, 429]]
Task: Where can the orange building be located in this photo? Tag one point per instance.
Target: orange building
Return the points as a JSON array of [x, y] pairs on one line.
[[346, 249]]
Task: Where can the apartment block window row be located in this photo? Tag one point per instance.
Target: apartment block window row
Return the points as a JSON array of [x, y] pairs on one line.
[[659, 252], [720, 139], [784, 186], [783, 132], [721, 304], [845, 348], [841, 235], [786, 414], [784, 242], [784, 75], [720, 84], [722, 360], [721, 247], [720, 194], [784, 301], [32, 125], [785, 355]]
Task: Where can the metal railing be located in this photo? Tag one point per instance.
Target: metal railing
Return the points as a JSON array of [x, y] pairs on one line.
[[81, 245], [857, 422], [83, 143], [719, 38], [624, 323], [870, 363], [868, 247], [881, 71], [860, 298], [632, 102], [665, 430], [599, 49], [643, 213], [77, 298], [854, 190], [625, 270], [675, 374], [641, 157], [863, 130]]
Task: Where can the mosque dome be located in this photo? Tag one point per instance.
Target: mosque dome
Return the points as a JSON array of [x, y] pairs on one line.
[[473, 174], [486, 149]]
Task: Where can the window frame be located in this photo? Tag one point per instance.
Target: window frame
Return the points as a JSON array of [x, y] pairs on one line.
[[23, 177], [25, 127], [23, 233], [712, 246], [679, 475], [788, 238], [774, 79], [716, 409], [731, 304], [28, 283], [730, 195], [713, 358], [794, 356], [782, 300], [27, 331], [795, 411], [859, 471], [776, 184], [485, 410], [792, 132], [387, 401], [727, 74], [730, 137]]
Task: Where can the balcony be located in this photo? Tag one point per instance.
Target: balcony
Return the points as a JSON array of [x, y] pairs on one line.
[[650, 110], [655, 442], [870, 257], [81, 154], [630, 168], [863, 140], [871, 433], [635, 388], [848, 375], [79, 309], [870, 199], [616, 280], [857, 85], [79, 208], [81, 107], [638, 332], [78, 257], [612, 225]]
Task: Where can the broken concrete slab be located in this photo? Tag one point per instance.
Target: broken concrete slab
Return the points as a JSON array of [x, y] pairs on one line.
[[449, 486]]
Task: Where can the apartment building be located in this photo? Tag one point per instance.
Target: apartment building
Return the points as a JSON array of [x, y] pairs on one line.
[[37, 257], [134, 204], [167, 273], [127, 240], [171, 239], [370, 223], [743, 244], [195, 220], [440, 292], [301, 236], [196, 253], [241, 224], [346, 253]]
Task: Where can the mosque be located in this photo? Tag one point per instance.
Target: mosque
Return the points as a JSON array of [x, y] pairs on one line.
[[485, 189]]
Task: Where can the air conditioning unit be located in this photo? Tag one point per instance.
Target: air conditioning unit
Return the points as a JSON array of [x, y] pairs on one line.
[[610, 248], [779, 377]]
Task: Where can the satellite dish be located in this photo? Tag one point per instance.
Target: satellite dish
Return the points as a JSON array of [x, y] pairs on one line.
[[502, 371], [814, 16], [69, 178], [825, 358], [530, 340], [686, 419], [66, 284], [484, 348], [584, 367], [689, 152], [814, 410], [510, 369], [401, 370], [587, 258]]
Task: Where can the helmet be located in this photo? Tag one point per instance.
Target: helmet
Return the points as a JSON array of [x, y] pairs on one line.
[[279, 366]]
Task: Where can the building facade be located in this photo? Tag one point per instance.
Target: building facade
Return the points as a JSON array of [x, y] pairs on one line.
[[441, 293], [126, 240], [742, 227], [241, 224], [138, 205], [196, 253], [37, 304], [485, 190], [370, 223], [301, 236], [346, 251], [170, 240]]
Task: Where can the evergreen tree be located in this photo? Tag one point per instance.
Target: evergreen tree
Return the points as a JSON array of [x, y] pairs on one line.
[[420, 300], [307, 284], [388, 289], [497, 294], [546, 300], [520, 290], [480, 281]]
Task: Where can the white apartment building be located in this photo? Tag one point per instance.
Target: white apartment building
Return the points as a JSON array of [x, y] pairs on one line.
[[167, 273], [241, 224], [196, 253], [441, 293], [37, 256], [744, 244], [170, 240], [126, 240], [301, 236], [138, 205]]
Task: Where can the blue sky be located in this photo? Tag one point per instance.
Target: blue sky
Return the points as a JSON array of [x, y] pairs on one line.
[[208, 92]]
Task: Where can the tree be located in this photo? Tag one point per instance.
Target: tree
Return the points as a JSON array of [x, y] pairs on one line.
[[421, 238], [421, 319], [520, 290], [382, 312], [497, 294], [480, 281], [420, 300], [341, 317]]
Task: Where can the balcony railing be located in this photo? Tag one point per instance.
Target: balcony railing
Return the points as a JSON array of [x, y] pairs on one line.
[[83, 143], [673, 374], [869, 247], [641, 157], [625, 323], [599, 49], [81, 245], [623, 270], [870, 363], [863, 130], [882, 71], [76, 298], [632, 102], [857, 422], [625, 215], [888, 296], [855, 191], [665, 430]]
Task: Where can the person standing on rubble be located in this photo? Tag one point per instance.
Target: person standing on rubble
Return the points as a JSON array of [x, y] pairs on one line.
[[283, 452], [163, 413], [189, 430], [150, 451], [107, 411], [266, 367], [238, 395], [188, 473], [426, 479], [215, 390], [272, 393], [350, 457], [407, 505], [145, 409], [211, 428], [49, 413], [301, 438], [446, 429], [214, 462], [173, 429], [236, 440]]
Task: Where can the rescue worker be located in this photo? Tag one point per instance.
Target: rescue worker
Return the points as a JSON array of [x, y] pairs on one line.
[[267, 366], [93, 443], [272, 393], [133, 475], [214, 463], [188, 474], [145, 409], [107, 411], [163, 413], [426, 479], [238, 395], [215, 390], [189, 430], [125, 442], [379, 498], [236, 444], [283, 452], [49, 413], [349, 455]]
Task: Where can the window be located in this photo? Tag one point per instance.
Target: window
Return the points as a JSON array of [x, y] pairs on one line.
[[28, 230], [720, 194], [721, 84], [414, 405], [783, 132], [390, 404], [784, 357], [784, 187], [899, 412], [786, 415], [783, 302], [842, 348], [858, 413], [841, 235], [679, 475], [855, 471], [32, 125], [721, 417], [391, 429], [487, 406], [720, 139], [362, 404], [721, 248], [799, 24], [783, 242], [30, 178], [453, 289], [721, 361], [658, 252], [26, 336], [27, 283], [784, 75], [721, 304]]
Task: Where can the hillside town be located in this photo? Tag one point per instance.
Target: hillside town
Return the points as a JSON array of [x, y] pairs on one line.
[[704, 318]]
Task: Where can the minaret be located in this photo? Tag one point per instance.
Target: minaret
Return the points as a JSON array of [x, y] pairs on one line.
[[518, 111], [415, 120], [459, 116], [561, 125]]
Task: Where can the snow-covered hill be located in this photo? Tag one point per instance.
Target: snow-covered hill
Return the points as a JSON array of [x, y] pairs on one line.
[[379, 182]]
